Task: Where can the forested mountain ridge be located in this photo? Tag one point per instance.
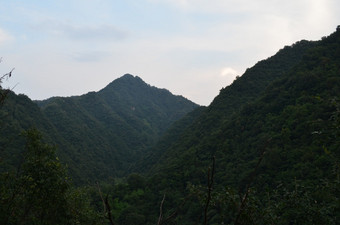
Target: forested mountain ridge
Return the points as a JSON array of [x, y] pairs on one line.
[[301, 94], [99, 134], [274, 138], [19, 113], [266, 151], [244, 90]]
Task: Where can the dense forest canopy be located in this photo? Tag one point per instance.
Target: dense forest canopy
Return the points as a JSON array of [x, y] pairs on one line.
[[266, 151], [99, 134]]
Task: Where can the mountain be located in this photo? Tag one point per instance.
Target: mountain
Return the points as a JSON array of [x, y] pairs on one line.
[[281, 103], [266, 151], [19, 113], [274, 138], [242, 92], [101, 134]]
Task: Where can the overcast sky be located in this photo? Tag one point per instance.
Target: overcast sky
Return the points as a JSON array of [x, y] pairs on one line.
[[190, 47]]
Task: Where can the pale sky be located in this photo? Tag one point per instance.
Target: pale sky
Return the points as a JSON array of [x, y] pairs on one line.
[[192, 48]]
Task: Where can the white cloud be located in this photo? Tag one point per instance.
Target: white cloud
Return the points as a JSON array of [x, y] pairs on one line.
[[90, 56], [228, 72], [243, 6], [201, 48], [100, 32], [222, 6], [262, 26], [4, 36]]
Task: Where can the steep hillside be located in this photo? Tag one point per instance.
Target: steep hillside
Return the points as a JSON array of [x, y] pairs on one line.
[[276, 130], [245, 90], [99, 134], [285, 114], [266, 151], [18, 113]]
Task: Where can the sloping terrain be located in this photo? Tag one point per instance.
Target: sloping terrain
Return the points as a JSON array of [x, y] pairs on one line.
[[99, 134], [243, 91], [266, 151], [287, 111], [274, 138]]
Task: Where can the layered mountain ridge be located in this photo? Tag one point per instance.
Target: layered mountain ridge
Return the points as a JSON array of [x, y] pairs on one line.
[[282, 105], [100, 134], [266, 151]]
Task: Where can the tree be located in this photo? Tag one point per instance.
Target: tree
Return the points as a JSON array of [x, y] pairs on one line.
[[37, 193]]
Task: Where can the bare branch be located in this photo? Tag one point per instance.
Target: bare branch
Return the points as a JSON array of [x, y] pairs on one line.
[[7, 75], [108, 208], [252, 178], [101, 196], [106, 205], [161, 211], [4, 92], [210, 187], [176, 211]]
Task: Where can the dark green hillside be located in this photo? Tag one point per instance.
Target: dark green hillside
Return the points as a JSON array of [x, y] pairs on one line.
[[294, 108], [245, 90], [284, 113], [157, 106], [19, 113], [169, 140], [105, 132], [99, 134], [266, 151]]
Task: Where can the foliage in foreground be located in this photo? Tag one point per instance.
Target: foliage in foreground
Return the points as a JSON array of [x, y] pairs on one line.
[[39, 191]]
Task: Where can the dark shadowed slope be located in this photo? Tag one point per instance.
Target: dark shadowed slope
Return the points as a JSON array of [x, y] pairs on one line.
[[101, 134]]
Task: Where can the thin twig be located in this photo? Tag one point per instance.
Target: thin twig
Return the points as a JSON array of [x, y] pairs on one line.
[[108, 208], [210, 187], [4, 92], [176, 211], [8, 75], [252, 177], [101, 196], [106, 205], [161, 211]]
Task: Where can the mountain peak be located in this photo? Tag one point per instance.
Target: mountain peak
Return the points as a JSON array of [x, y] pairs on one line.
[[125, 80], [123, 120], [127, 76], [133, 87]]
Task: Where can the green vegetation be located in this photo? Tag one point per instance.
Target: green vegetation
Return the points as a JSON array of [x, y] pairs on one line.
[[99, 135], [38, 191], [266, 151], [290, 118]]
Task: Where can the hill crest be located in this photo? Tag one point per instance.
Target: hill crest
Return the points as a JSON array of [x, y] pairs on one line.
[[100, 134]]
